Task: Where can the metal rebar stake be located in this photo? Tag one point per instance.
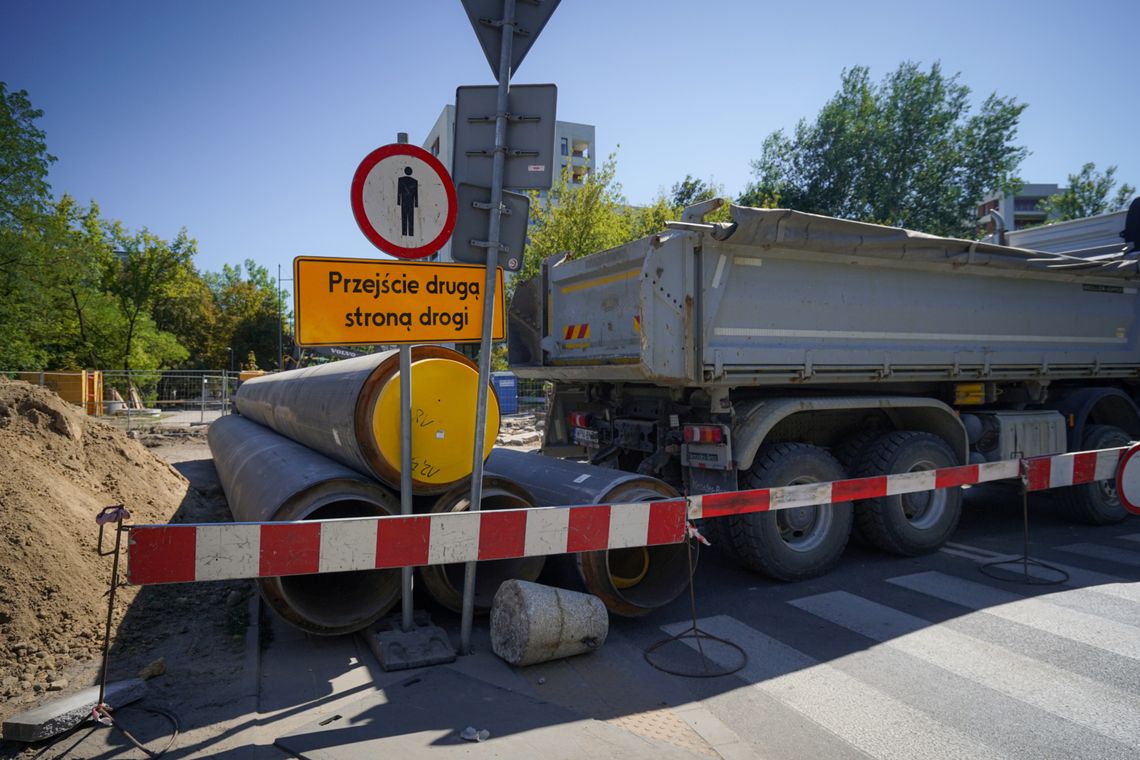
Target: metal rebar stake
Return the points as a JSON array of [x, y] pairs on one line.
[[497, 167]]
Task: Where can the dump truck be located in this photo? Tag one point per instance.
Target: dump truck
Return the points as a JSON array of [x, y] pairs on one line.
[[784, 348]]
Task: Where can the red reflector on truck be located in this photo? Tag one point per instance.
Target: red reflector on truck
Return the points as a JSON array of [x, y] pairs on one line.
[[579, 419], [703, 434]]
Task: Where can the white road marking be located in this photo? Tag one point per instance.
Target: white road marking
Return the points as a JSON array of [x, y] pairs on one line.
[[836, 701], [1108, 711], [1037, 612]]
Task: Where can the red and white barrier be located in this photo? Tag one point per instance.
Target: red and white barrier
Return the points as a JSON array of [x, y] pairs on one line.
[[226, 551]]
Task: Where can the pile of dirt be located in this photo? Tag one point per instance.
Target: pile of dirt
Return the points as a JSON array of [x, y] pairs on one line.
[[58, 469]]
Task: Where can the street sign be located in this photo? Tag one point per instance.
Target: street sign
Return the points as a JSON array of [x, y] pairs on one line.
[[1128, 480], [471, 227], [354, 302], [530, 135], [530, 18], [404, 201]]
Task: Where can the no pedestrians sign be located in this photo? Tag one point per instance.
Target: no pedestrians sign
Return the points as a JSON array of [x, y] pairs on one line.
[[404, 201]]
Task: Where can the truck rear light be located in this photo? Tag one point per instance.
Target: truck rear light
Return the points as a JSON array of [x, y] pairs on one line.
[[579, 419], [703, 434]]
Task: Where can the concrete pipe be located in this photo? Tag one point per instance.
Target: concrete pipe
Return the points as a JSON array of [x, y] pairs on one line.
[[445, 582], [268, 477], [350, 411], [631, 582]]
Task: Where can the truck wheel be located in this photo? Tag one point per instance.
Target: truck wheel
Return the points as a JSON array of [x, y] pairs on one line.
[[913, 523], [718, 530], [792, 544], [849, 452], [1097, 503], [852, 448]]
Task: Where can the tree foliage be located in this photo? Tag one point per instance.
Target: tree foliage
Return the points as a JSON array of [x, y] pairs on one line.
[[24, 159], [139, 273], [24, 198], [1089, 193], [578, 219], [691, 190], [249, 313], [83, 291], [905, 152]]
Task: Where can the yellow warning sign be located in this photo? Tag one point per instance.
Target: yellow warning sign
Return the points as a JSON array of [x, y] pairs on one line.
[[345, 302]]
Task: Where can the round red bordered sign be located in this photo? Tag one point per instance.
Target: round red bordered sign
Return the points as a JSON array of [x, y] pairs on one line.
[[404, 201], [1128, 479]]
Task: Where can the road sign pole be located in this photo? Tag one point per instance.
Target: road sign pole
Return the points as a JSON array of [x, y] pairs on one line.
[[406, 474], [405, 461], [499, 162]]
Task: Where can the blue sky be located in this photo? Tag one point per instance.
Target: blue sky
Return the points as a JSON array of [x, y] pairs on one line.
[[243, 121]]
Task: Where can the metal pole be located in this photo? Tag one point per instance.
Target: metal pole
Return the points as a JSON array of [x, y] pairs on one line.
[[280, 328], [405, 461], [499, 162], [406, 475]]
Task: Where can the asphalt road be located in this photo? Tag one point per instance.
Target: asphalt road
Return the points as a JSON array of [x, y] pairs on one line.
[[885, 657]]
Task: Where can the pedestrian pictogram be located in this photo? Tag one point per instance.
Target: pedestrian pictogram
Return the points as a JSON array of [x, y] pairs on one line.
[[404, 201], [408, 199]]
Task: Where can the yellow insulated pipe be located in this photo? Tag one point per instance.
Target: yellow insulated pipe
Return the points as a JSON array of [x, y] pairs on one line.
[[350, 411]]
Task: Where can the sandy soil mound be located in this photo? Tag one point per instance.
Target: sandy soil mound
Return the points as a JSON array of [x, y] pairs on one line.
[[58, 468]]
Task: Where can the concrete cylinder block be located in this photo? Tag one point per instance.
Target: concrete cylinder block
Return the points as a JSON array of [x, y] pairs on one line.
[[532, 623]]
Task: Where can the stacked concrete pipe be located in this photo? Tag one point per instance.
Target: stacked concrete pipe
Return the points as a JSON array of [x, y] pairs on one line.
[[268, 477], [349, 411], [631, 582], [445, 582]]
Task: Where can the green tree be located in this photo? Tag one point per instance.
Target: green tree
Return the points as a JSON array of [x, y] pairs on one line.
[[85, 320], [189, 311], [248, 313], [139, 273], [691, 190], [904, 152], [1088, 195], [24, 198], [24, 159], [579, 218]]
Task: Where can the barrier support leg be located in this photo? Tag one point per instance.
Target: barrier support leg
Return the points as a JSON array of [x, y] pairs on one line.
[[1006, 569]]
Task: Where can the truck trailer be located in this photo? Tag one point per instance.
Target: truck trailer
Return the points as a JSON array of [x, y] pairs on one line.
[[785, 348]]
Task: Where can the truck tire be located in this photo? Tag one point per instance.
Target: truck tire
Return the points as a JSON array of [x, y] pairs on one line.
[[851, 449], [792, 544], [1096, 503], [914, 523], [849, 452], [718, 531]]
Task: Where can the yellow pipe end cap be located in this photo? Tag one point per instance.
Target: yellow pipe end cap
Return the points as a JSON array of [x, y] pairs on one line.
[[443, 420]]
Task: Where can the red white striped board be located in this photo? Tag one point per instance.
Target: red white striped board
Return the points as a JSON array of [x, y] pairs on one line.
[[226, 551]]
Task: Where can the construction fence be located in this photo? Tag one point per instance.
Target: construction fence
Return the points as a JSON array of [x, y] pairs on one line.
[[147, 399], [144, 399]]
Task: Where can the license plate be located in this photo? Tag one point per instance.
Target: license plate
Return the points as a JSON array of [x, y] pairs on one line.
[[586, 437]]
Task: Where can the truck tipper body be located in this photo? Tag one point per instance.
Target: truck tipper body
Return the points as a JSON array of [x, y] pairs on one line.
[[784, 347]]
